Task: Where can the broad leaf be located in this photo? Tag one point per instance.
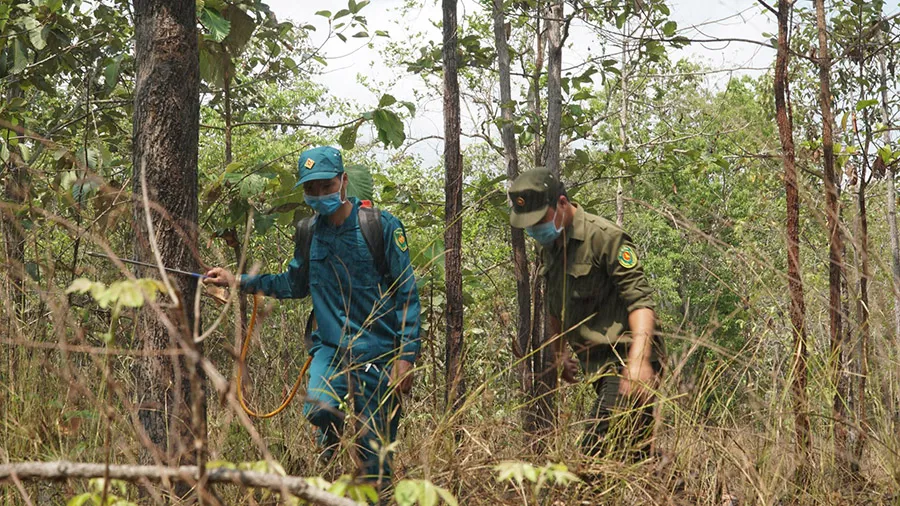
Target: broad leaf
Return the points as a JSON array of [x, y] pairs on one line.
[[216, 26], [360, 183]]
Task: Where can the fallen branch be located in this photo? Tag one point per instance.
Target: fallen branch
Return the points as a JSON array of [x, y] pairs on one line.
[[60, 470]]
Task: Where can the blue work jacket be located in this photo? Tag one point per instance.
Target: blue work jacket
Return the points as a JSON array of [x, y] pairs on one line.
[[375, 318]]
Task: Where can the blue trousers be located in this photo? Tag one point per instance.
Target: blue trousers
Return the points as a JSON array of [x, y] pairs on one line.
[[376, 408]]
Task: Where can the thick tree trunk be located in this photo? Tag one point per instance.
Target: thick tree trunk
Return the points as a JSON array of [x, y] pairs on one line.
[[519, 255], [169, 389], [452, 211], [795, 283], [835, 264]]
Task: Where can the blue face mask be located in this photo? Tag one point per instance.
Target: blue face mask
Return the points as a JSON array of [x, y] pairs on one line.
[[544, 233], [325, 205]]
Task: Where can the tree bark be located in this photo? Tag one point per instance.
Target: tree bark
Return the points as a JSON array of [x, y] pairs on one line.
[[891, 216], [517, 235], [623, 134], [535, 88], [862, 310], [554, 86], [453, 211], [172, 407], [61, 470], [795, 283], [835, 264]]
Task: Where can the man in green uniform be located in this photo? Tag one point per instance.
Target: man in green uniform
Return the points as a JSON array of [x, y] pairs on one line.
[[600, 303]]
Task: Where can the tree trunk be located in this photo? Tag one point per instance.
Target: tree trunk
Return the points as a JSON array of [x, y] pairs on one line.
[[519, 255], [835, 264], [452, 211], [535, 88], [795, 283], [15, 189], [892, 219], [169, 388], [862, 310], [623, 134], [554, 86]]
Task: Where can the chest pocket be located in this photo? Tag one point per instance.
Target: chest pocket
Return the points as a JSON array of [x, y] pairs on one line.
[[582, 293]]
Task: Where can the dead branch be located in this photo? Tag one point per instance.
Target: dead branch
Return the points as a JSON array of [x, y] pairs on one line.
[[60, 470]]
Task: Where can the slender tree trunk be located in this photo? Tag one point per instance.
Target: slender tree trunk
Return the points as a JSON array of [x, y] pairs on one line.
[[862, 309], [172, 407], [795, 283], [519, 255], [545, 370], [536, 113], [453, 211], [892, 218], [835, 264], [15, 190], [554, 85], [623, 134]]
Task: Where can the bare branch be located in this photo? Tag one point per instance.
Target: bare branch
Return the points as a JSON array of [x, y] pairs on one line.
[[60, 470]]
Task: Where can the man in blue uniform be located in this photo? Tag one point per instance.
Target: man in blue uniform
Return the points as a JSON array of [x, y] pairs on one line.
[[367, 336]]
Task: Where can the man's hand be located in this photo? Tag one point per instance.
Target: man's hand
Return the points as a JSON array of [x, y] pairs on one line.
[[402, 376], [219, 277], [569, 368], [638, 377]]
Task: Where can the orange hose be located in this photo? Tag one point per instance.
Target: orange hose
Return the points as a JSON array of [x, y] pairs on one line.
[[242, 365]]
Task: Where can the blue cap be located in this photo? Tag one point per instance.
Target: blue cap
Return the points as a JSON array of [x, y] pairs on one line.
[[323, 162]]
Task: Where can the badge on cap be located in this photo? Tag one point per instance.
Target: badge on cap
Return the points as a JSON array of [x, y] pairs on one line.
[[627, 256], [520, 201], [309, 163], [400, 240]]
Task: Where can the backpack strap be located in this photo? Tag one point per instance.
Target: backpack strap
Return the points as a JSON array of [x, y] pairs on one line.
[[370, 227], [373, 233], [303, 239]]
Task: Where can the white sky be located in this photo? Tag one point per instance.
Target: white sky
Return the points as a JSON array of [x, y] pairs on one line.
[[697, 19]]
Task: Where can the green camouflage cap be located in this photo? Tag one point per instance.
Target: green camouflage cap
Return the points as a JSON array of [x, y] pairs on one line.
[[323, 162], [530, 195]]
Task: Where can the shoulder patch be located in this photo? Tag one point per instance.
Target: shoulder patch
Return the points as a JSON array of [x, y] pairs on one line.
[[627, 256], [400, 239]]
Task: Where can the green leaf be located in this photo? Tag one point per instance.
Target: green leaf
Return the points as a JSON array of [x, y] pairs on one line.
[[20, 60], [81, 499], [360, 182], [35, 33], [446, 496], [324, 14], [126, 293], [390, 128], [242, 27], [862, 104], [410, 106], [429, 495], [224, 464], [341, 13], [262, 223], [669, 28], [386, 101], [80, 285], [111, 73], [406, 493], [216, 26], [348, 136]]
